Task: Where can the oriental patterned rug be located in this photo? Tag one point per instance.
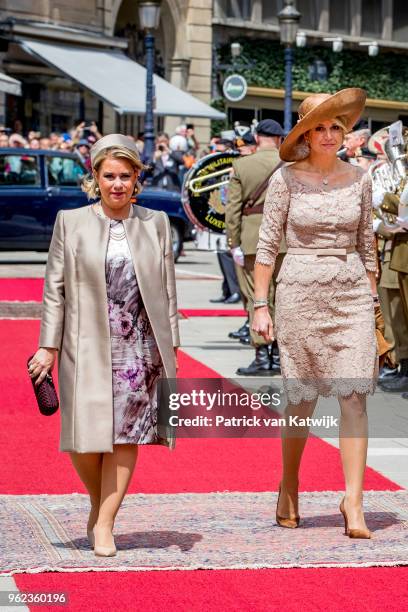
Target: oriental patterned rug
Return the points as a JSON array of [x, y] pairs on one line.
[[188, 531]]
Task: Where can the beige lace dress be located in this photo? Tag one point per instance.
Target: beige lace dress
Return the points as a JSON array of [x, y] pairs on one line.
[[324, 316]]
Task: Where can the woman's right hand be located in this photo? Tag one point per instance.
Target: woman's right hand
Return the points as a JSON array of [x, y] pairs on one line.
[[262, 323], [42, 363]]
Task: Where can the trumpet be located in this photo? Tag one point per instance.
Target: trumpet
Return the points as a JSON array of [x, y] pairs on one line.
[[225, 172]]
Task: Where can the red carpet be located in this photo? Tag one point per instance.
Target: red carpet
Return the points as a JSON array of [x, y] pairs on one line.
[[212, 312], [314, 590], [21, 289], [31, 464], [196, 465]]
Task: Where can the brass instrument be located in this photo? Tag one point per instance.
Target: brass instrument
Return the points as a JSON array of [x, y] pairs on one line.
[[213, 185], [390, 175]]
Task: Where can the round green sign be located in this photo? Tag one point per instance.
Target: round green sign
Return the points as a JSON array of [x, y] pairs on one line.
[[235, 88]]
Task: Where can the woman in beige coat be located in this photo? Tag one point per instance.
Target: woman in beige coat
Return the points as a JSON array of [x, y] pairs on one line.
[[110, 312]]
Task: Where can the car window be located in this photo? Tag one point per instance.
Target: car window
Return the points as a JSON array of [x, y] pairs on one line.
[[19, 170], [64, 171]]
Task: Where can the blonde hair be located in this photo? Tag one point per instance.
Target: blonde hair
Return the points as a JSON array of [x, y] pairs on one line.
[[90, 184]]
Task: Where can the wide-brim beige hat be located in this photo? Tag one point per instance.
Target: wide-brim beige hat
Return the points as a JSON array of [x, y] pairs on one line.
[[346, 106]]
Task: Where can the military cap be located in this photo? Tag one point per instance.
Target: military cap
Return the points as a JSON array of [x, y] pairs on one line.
[[269, 127], [390, 203]]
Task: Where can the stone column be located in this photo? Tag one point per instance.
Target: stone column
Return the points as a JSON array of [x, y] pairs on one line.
[[256, 15], [177, 70], [324, 16], [387, 19], [199, 35], [356, 17]]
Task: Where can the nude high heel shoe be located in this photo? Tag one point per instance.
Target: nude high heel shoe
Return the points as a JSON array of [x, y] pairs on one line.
[[282, 521], [363, 534], [105, 551]]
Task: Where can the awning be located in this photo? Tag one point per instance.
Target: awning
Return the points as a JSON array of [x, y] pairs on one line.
[[118, 80], [9, 85]]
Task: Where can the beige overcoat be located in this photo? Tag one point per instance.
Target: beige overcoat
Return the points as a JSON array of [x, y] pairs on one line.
[[75, 314]]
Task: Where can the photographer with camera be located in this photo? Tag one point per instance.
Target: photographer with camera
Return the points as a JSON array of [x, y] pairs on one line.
[[166, 165]]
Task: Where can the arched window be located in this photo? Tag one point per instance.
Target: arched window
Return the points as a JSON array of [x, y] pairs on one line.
[[371, 17], [400, 20], [340, 16], [238, 9]]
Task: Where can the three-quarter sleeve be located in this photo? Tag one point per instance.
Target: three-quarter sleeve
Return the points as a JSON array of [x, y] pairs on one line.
[[171, 283], [365, 233], [273, 221], [53, 310]]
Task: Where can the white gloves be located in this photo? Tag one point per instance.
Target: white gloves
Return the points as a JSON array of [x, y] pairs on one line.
[[238, 256]]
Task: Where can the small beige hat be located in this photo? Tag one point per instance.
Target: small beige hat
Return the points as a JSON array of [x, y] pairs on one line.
[[346, 106], [113, 140]]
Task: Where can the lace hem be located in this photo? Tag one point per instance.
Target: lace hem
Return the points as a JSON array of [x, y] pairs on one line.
[[264, 259], [298, 391]]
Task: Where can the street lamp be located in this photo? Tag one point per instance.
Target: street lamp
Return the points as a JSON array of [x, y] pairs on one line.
[[149, 17], [289, 18]]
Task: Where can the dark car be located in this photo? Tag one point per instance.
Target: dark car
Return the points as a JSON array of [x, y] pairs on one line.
[[36, 184]]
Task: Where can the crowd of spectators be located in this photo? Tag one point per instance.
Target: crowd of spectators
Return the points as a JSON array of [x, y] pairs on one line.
[[172, 158]]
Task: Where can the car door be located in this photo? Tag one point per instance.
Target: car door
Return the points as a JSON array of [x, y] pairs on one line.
[[22, 194], [63, 175]]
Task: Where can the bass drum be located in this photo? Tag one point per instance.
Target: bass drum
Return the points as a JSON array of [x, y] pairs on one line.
[[205, 191]]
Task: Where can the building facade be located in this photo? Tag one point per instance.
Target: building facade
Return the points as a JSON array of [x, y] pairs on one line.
[[356, 23], [53, 101], [192, 52]]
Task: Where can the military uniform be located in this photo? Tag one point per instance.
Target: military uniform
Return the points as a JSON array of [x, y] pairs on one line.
[[396, 278], [396, 327], [248, 174]]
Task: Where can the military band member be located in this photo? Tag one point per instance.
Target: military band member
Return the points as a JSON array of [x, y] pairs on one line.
[[396, 328], [243, 219], [399, 265]]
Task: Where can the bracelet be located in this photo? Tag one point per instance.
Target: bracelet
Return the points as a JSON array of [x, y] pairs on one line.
[[376, 299], [260, 303]]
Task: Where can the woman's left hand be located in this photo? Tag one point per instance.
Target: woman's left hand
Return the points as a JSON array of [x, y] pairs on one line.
[[175, 356], [41, 363]]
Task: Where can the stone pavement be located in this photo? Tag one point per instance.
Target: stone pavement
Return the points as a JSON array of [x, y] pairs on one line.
[[206, 339]]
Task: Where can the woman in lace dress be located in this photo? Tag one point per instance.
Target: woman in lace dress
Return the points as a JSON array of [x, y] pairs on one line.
[[324, 319], [110, 311]]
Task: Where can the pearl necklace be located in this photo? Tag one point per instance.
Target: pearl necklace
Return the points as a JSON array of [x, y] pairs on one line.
[[116, 229]]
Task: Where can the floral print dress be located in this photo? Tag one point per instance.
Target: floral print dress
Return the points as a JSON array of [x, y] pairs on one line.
[[136, 361]]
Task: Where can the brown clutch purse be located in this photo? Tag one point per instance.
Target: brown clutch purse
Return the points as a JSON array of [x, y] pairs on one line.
[[45, 394]]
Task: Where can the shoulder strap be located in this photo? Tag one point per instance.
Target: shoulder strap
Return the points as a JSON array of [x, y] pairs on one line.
[[262, 187]]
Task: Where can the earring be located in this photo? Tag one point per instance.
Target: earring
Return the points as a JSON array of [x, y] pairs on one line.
[[97, 190], [301, 150], [136, 190]]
